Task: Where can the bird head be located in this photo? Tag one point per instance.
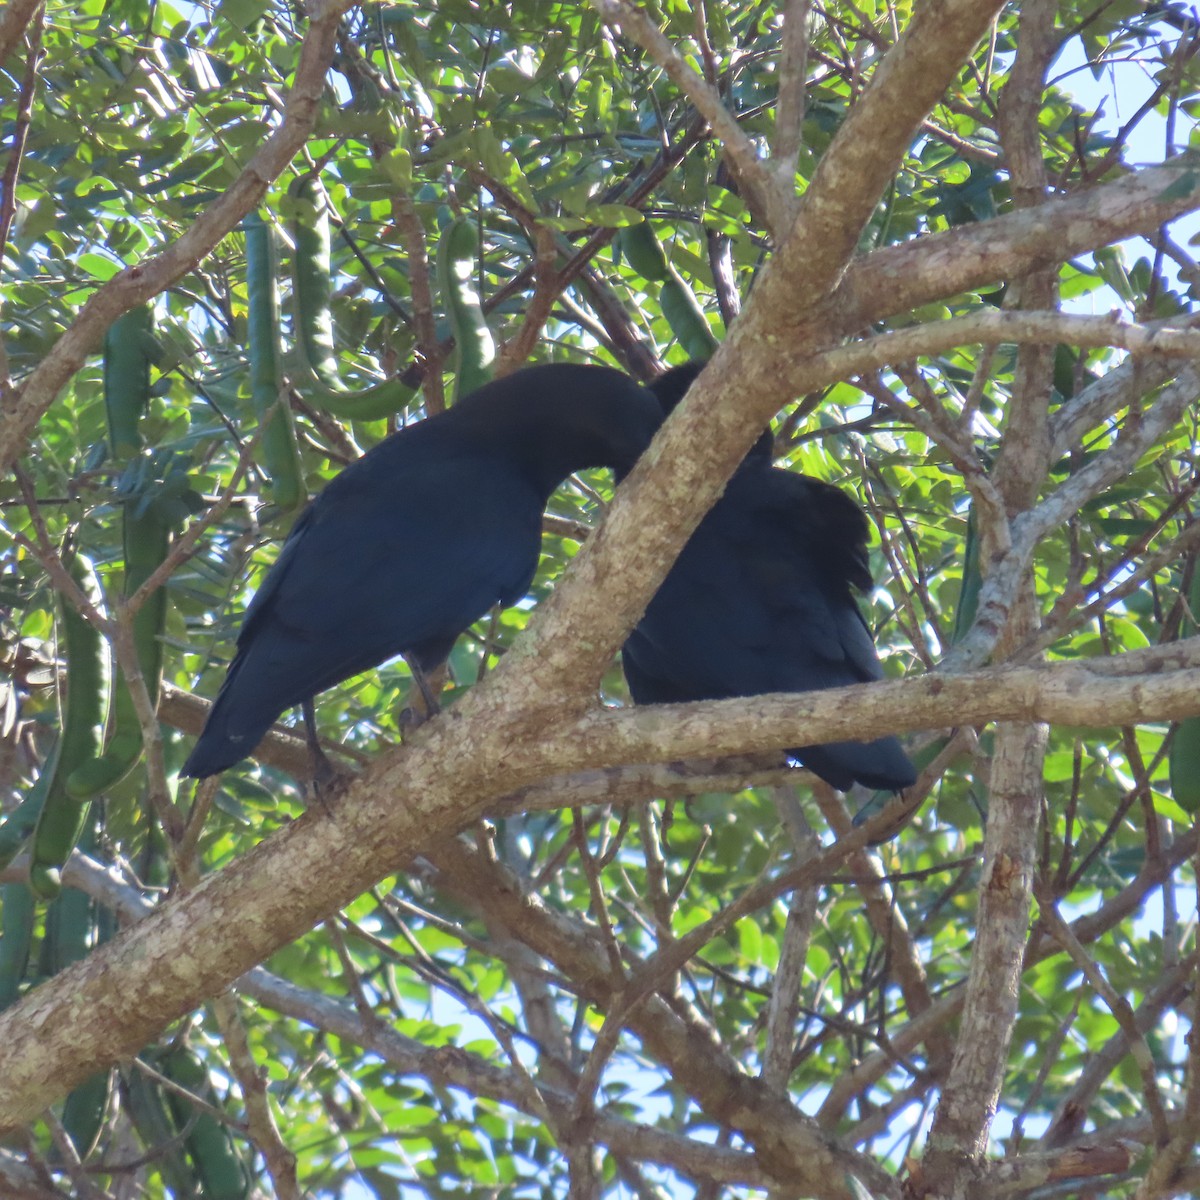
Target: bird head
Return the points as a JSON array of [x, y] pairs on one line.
[[559, 418]]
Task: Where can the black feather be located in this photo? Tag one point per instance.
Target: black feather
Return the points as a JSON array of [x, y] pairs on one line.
[[761, 600], [416, 540]]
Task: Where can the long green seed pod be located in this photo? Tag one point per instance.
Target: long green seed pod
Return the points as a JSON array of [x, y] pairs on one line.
[[281, 455], [312, 293], [84, 1109], [312, 279], [16, 936], [644, 251], [18, 825], [214, 1155], [474, 350], [685, 317], [147, 538], [146, 532], [1184, 759], [82, 700], [127, 377], [71, 926], [972, 581], [148, 1110]]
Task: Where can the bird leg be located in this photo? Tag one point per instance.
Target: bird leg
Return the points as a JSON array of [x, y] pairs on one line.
[[326, 780], [420, 709], [424, 684]]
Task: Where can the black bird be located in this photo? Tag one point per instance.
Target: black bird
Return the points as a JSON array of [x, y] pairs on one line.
[[760, 600], [418, 539]]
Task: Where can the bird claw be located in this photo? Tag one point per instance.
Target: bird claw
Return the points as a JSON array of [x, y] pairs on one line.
[[327, 782], [411, 719]]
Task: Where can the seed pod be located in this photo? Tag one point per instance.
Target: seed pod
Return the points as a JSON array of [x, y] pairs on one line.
[[82, 700], [1184, 759], [474, 350], [280, 454], [312, 292]]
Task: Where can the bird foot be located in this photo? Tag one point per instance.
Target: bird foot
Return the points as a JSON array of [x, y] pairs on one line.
[[411, 719], [424, 704], [327, 782]]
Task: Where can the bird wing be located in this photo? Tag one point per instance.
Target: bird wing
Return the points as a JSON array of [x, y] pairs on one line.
[[395, 556], [809, 555], [760, 598], [708, 633]]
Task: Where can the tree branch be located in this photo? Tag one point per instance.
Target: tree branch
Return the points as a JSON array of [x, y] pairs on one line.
[[124, 993], [993, 327], [793, 82], [14, 19], [898, 278], [763, 193], [862, 159], [153, 275]]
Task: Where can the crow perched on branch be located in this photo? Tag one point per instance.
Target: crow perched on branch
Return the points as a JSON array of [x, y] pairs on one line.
[[760, 601], [416, 540]]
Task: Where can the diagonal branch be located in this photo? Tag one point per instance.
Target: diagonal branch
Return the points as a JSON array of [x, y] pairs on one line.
[[864, 154], [769, 200], [124, 993], [153, 275], [906, 276], [14, 18]]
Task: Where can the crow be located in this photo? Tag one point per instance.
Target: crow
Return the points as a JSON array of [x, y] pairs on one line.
[[760, 600], [413, 542]]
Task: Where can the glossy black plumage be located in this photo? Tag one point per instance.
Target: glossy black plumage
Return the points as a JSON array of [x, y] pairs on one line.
[[418, 539], [760, 600]]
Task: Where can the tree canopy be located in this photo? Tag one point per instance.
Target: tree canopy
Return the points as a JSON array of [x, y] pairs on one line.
[[549, 943]]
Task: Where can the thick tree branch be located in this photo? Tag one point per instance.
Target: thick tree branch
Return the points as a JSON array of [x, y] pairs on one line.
[[14, 19], [1070, 694], [969, 1097], [124, 993], [958, 1138], [613, 785], [873, 140], [1030, 1173], [898, 278], [993, 327]]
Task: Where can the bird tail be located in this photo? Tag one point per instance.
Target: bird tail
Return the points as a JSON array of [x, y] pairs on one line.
[[880, 764], [228, 736]]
